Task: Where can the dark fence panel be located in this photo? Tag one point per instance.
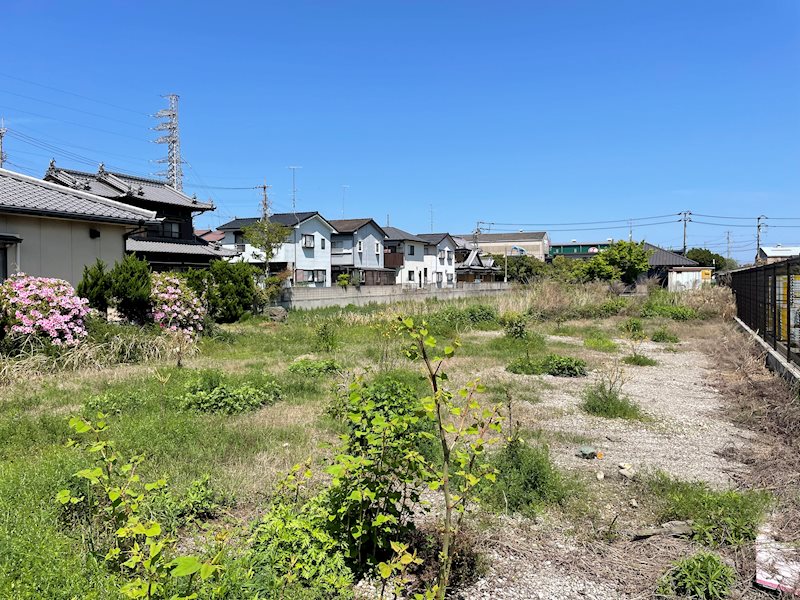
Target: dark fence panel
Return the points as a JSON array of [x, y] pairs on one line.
[[768, 301]]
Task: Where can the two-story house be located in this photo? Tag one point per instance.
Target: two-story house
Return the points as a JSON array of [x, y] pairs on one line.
[[306, 254], [440, 249], [168, 243], [357, 251], [405, 253]]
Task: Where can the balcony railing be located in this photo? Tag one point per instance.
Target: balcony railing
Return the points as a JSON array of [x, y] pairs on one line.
[[393, 260]]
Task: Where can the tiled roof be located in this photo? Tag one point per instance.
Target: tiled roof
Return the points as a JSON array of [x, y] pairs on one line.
[[435, 238], [132, 245], [120, 186], [288, 219], [353, 225], [665, 258], [210, 235], [522, 236], [395, 234], [28, 195]]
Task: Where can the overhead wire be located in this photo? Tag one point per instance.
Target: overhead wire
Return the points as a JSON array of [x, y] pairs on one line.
[[64, 106]]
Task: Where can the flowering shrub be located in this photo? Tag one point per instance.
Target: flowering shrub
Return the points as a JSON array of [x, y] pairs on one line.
[[43, 307], [175, 307]]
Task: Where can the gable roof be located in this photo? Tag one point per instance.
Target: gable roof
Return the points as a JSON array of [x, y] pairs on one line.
[[436, 238], [520, 236], [779, 251], [353, 225], [122, 187], [665, 258], [29, 195], [210, 235], [398, 235], [287, 219], [155, 247]]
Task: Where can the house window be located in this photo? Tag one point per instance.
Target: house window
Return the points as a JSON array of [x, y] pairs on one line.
[[410, 249], [438, 278], [449, 278], [322, 243], [309, 276], [308, 240], [360, 245], [363, 276], [336, 244], [170, 229], [411, 275], [319, 276], [377, 247]]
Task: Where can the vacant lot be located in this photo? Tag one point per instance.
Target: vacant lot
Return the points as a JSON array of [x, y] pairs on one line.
[[631, 434]]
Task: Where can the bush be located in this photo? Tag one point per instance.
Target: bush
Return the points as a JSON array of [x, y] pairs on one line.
[[478, 314], [514, 325], [663, 336], [44, 308], [294, 556], [526, 479], [552, 364], [325, 336], [315, 368], [661, 303], [227, 289], [718, 517], [175, 307], [605, 399], [640, 360], [209, 394], [632, 327], [130, 288], [703, 576], [95, 286], [608, 308]]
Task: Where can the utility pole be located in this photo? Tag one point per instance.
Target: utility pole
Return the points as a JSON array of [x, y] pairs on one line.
[[2, 133], [294, 188], [759, 225], [172, 138], [344, 197], [630, 231], [265, 212], [686, 217], [431, 206], [387, 219]]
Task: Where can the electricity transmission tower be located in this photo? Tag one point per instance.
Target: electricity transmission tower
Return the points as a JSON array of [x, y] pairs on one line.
[[174, 172]]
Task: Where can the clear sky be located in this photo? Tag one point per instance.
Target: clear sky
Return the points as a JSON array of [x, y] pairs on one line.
[[523, 113]]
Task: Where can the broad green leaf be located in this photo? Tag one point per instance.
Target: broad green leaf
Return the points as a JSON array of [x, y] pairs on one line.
[[185, 565], [385, 570]]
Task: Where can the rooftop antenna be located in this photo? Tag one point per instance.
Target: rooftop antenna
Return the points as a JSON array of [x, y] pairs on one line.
[[2, 133], [174, 172], [294, 188], [344, 197]]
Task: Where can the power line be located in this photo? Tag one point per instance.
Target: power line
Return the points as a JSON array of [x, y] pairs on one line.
[[48, 117], [579, 223], [593, 228], [78, 110]]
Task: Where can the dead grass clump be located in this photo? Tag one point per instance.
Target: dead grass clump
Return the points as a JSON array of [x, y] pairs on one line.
[[711, 301]]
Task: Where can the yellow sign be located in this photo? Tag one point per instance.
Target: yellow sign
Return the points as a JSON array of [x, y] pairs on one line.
[[705, 274]]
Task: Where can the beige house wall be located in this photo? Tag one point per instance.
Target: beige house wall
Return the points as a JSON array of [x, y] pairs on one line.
[[533, 248], [60, 248]]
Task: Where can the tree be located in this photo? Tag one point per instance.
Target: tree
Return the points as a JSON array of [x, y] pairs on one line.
[[266, 236], [522, 269], [130, 287], [629, 259], [706, 258], [95, 285]]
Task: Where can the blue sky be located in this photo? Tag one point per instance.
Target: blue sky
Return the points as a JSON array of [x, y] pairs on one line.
[[507, 112]]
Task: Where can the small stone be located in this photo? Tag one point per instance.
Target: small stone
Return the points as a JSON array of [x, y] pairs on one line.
[[586, 452], [634, 503], [627, 473], [600, 475]]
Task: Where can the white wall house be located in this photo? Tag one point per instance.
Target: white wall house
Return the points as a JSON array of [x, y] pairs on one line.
[[49, 230], [306, 253], [405, 253], [440, 262], [357, 250]]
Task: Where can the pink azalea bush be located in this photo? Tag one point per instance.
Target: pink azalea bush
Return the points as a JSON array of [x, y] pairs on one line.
[[43, 307], [175, 307]]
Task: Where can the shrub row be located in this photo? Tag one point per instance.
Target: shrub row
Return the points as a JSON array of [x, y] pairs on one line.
[[552, 364]]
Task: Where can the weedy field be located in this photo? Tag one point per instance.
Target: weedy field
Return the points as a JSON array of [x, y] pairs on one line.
[[312, 459]]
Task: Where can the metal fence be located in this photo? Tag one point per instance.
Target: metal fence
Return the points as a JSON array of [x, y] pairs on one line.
[[768, 301]]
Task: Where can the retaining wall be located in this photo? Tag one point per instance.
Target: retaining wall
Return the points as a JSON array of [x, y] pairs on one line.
[[306, 298]]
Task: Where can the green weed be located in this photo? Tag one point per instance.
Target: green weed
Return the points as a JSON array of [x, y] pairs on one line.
[[552, 364], [703, 576], [640, 360], [663, 336]]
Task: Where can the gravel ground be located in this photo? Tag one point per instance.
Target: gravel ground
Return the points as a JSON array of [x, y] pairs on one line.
[[687, 437]]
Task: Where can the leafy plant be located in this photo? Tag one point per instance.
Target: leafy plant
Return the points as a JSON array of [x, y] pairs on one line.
[[226, 289], [175, 307], [465, 428], [95, 286], [343, 280], [718, 517], [325, 336], [703, 575], [605, 398], [230, 399], [599, 340], [552, 364], [526, 479], [130, 288], [514, 325], [663, 336], [266, 236], [640, 360], [133, 545], [315, 368], [632, 328]]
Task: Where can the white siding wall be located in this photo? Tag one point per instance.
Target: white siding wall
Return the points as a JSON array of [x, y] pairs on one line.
[[61, 248], [413, 263], [445, 265]]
